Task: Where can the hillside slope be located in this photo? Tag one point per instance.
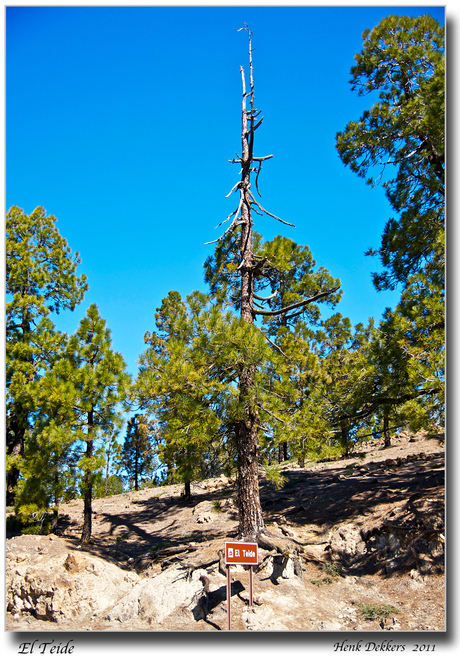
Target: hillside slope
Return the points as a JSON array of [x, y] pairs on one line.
[[358, 545]]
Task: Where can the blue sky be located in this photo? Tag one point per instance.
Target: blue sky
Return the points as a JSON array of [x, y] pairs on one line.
[[121, 122]]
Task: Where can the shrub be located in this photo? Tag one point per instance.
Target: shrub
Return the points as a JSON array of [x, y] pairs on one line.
[[376, 611]]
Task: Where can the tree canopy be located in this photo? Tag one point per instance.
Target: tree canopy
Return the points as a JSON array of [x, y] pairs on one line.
[[399, 140], [40, 279]]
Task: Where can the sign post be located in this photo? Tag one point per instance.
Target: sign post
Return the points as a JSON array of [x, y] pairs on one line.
[[240, 553]]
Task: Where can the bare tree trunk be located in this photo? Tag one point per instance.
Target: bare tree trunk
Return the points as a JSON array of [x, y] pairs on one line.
[[250, 511]]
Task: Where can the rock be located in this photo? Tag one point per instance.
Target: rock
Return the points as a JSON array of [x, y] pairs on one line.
[[281, 567], [75, 563], [345, 543], [152, 600], [203, 506], [204, 518], [203, 512], [228, 505], [65, 586]]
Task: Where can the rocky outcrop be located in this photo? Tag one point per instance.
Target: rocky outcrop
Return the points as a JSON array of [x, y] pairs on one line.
[[152, 600], [51, 583], [346, 543]]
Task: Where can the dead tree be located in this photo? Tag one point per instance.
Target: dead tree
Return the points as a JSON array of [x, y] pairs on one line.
[[251, 523]]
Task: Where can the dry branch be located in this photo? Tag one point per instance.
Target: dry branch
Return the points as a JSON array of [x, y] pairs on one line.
[[296, 305], [267, 213]]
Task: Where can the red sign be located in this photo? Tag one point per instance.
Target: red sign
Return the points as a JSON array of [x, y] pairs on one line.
[[241, 553]]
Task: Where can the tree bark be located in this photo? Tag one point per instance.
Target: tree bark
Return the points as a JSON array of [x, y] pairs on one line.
[[19, 424], [251, 522], [282, 452], [88, 485], [386, 430], [15, 446], [344, 440], [136, 468]]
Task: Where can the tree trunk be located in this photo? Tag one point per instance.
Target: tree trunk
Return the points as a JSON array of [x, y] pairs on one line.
[[249, 508], [88, 487], [19, 424], [136, 469], [386, 430], [282, 452], [106, 474], [344, 441], [16, 427], [55, 519]]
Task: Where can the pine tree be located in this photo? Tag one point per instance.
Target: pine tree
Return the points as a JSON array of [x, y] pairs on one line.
[[48, 472], [401, 139], [111, 452], [348, 377], [99, 380], [40, 279], [138, 455], [186, 380], [249, 270]]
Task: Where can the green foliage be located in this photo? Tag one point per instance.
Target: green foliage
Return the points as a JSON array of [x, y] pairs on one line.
[[285, 273], [274, 476], [402, 137], [108, 488], [99, 384], [344, 376], [77, 403], [48, 468], [40, 279], [138, 453], [30, 519], [40, 267], [333, 572], [376, 611], [332, 569], [95, 376], [217, 506], [187, 380], [206, 376], [418, 339]]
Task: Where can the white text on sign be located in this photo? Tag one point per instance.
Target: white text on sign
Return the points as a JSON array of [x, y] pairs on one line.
[[241, 553]]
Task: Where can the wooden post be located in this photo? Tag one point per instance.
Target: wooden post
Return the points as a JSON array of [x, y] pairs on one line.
[[229, 594], [250, 586]]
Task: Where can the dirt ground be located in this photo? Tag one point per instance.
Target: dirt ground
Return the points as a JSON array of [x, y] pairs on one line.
[[393, 579]]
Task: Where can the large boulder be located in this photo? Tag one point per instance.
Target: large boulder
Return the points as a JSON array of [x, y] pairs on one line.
[[153, 599]]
